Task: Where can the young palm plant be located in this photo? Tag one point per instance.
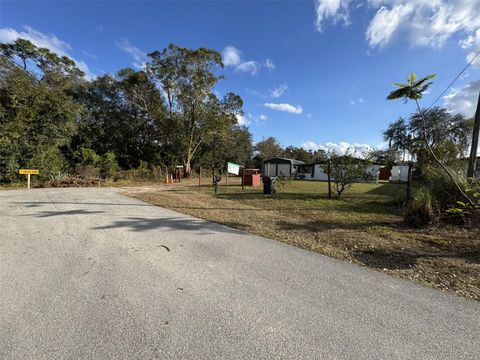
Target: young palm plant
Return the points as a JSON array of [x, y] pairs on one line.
[[414, 90]]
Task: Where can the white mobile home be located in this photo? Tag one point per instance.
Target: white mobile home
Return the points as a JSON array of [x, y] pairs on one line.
[[319, 172], [281, 167]]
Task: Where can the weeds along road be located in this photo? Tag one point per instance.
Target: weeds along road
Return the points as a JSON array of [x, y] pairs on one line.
[[91, 274]]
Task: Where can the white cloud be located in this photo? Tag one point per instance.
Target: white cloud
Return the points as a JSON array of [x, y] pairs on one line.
[[49, 41], [251, 67], [471, 58], [335, 10], [242, 120], [262, 117], [386, 22], [139, 57], [464, 101], [358, 100], [420, 22], [269, 64], [278, 91], [310, 145], [285, 107], [358, 150], [231, 56], [90, 55]]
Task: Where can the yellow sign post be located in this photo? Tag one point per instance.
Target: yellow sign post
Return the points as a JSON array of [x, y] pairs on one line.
[[28, 172]]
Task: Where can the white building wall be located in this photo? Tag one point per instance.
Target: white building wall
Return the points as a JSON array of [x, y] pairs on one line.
[[374, 171], [399, 174], [321, 175], [283, 170]]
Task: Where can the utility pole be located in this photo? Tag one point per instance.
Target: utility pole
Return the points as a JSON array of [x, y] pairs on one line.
[[473, 152]]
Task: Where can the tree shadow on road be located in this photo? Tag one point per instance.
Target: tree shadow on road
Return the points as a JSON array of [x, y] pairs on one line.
[[43, 214], [32, 204], [199, 227]]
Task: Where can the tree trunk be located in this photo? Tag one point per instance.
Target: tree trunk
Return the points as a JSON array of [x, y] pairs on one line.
[[187, 167], [473, 152]]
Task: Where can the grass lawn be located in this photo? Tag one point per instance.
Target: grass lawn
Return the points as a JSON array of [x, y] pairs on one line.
[[363, 227]]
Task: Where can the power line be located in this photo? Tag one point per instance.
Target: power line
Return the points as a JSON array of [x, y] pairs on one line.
[[456, 78]]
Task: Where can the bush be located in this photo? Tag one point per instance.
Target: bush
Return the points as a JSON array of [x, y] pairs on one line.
[[421, 210], [465, 213], [89, 157], [109, 166], [50, 161], [143, 170], [281, 183], [437, 198]]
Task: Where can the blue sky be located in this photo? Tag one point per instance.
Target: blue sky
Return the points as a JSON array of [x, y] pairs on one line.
[[311, 73]]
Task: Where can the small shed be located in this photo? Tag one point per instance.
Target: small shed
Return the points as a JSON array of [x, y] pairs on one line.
[[281, 167], [251, 177]]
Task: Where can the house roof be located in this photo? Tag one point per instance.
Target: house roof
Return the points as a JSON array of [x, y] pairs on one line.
[[293, 161]]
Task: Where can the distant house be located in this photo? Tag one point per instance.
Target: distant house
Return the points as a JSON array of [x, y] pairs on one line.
[[318, 171], [281, 167]]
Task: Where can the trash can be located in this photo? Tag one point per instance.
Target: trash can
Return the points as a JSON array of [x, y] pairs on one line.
[[269, 185]]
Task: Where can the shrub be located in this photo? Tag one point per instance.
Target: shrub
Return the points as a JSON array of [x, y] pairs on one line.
[[109, 166], [143, 170], [281, 182], [50, 161], [421, 210], [89, 157], [465, 213]]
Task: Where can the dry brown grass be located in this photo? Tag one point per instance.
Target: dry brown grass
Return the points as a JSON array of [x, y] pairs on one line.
[[363, 227]]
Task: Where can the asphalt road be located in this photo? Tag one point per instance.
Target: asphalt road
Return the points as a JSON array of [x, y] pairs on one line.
[[86, 274]]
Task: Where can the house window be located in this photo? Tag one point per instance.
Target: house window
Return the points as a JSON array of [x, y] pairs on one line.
[[305, 169]]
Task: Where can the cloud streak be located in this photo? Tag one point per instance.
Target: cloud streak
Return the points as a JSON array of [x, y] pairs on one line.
[[341, 148], [419, 22], [139, 57], [278, 91], [292, 109], [232, 57], [463, 101]]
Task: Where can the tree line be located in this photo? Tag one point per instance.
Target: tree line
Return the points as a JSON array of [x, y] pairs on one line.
[[166, 114]]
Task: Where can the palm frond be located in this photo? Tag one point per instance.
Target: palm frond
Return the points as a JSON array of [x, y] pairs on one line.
[[398, 94]]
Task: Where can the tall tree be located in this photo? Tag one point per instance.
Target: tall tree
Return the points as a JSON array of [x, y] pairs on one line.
[[397, 136], [187, 78], [38, 111], [447, 134], [268, 148], [125, 115], [298, 153]]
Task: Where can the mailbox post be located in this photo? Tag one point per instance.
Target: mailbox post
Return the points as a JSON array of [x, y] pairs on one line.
[[216, 179]]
